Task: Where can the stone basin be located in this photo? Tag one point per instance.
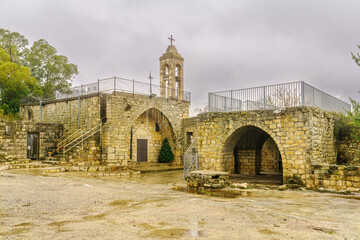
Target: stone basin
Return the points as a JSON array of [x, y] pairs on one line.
[[207, 179]]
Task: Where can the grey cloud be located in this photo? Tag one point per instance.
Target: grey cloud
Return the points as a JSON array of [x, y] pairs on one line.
[[226, 44]]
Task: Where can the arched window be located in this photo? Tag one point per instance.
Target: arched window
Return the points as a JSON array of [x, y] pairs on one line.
[[166, 69], [30, 114], [177, 71]]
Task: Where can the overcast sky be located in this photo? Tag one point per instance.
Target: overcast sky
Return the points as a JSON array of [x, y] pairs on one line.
[[225, 44]]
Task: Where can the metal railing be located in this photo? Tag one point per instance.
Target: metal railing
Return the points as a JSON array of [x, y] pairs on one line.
[[191, 158], [77, 138], [273, 97], [108, 85]]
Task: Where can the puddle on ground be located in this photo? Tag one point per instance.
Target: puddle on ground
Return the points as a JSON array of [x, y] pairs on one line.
[[60, 224], [23, 224], [95, 217], [173, 233], [266, 231], [349, 197], [222, 193], [120, 203]]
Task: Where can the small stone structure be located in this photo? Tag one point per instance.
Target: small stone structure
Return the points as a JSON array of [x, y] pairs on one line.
[[207, 179], [338, 177], [14, 138], [292, 142]]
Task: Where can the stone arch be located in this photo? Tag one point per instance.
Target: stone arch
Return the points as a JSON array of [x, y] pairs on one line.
[[30, 114], [249, 140], [166, 69], [178, 71], [151, 125]]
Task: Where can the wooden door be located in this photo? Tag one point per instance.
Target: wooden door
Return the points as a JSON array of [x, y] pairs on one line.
[[142, 150], [33, 145]]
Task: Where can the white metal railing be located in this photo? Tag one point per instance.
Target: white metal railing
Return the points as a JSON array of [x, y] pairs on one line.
[[190, 159], [108, 85], [275, 96]]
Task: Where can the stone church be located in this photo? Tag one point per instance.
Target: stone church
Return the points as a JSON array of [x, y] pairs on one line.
[[133, 122]]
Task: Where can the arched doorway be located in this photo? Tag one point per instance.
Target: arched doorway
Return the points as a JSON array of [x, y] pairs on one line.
[[147, 134], [251, 151]]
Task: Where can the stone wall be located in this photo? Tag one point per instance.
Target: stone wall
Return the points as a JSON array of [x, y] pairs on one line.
[[14, 144], [246, 161], [337, 177], [66, 111], [304, 136], [270, 157], [350, 149]]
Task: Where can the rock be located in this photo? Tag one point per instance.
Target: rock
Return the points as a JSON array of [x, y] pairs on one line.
[[209, 179], [282, 188], [93, 168], [239, 185], [346, 192]]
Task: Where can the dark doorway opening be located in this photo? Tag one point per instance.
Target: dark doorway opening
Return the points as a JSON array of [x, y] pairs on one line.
[[254, 156], [33, 146], [142, 150]]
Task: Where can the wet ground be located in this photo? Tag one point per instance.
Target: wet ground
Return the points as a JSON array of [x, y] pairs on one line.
[[159, 206]]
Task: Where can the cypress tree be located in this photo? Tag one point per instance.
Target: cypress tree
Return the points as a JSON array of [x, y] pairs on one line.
[[165, 154]]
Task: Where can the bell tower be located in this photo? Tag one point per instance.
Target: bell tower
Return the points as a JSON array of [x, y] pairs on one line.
[[172, 73]]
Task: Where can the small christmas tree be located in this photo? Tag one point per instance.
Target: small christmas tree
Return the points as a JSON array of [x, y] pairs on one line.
[[165, 154]]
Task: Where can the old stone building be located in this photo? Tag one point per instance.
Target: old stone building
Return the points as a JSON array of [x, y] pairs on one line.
[[117, 121]]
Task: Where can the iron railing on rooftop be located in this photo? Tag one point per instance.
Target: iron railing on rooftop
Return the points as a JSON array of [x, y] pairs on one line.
[[109, 85], [275, 97]]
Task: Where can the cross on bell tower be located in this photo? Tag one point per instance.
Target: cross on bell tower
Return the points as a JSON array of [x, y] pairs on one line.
[[172, 73], [171, 39]]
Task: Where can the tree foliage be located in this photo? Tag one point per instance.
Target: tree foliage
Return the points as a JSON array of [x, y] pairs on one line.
[[37, 71], [165, 154], [354, 121], [52, 71], [16, 82], [356, 57], [347, 127], [14, 44]]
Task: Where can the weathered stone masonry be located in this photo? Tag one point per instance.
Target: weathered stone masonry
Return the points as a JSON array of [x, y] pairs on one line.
[[123, 114], [13, 145]]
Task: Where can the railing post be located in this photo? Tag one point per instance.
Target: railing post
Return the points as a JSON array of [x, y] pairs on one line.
[[313, 96], [133, 87], [79, 109], [98, 86], [196, 161], [231, 99], [114, 83], [302, 94], [40, 111], [264, 97], [209, 102]]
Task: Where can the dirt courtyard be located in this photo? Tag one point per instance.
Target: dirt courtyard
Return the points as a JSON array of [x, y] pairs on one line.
[[76, 206]]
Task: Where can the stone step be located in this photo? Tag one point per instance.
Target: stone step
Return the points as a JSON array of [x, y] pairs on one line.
[[156, 167], [52, 162], [23, 166], [18, 161]]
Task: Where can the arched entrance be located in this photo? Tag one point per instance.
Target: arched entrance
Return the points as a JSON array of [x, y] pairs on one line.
[[251, 151], [147, 134]]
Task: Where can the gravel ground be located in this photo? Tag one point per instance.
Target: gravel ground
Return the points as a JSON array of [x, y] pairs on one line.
[[75, 206]]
